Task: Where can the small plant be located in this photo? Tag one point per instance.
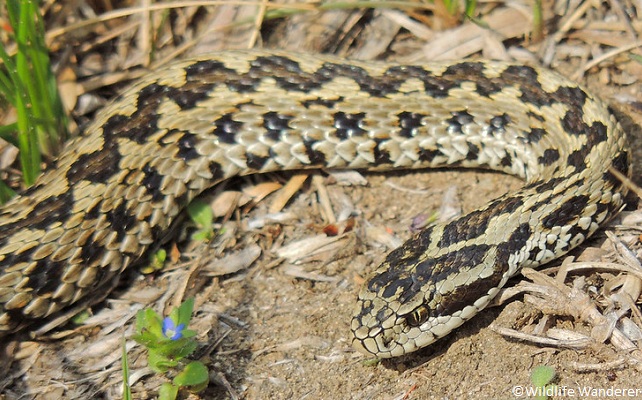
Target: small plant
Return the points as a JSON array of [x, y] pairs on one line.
[[156, 262], [202, 216], [453, 7], [541, 377], [169, 342]]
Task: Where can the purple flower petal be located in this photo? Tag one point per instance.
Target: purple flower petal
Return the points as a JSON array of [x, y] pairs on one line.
[[171, 331]]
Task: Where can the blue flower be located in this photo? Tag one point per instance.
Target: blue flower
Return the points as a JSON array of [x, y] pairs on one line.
[[171, 331]]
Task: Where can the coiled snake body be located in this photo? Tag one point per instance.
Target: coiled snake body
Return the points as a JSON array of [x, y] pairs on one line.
[[118, 187]]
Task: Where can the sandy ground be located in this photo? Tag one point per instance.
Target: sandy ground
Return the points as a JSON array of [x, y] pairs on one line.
[[278, 328]]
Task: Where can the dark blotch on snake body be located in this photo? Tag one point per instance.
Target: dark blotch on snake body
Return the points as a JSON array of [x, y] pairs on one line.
[[506, 161], [458, 120], [577, 159], [399, 288], [189, 95], [578, 234], [143, 122], [466, 294], [435, 86], [549, 157], [597, 133], [535, 116], [287, 74], [276, 124], [465, 71], [255, 161], [216, 170], [381, 156], [202, 68], [326, 103], [459, 230], [41, 277], [375, 86], [620, 163], [152, 181], [55, 208], [47, 276], [527, 80], [541, 187], [409, 123], [573, 122], [498, 124], [187, 147], [226, 128], [602, 208], [474, 72], [474, 225], [473, 152], [567, 212], [550, 185], [516, 241], [348, 125], [574, 97], [95, 167], [316, 157], [121, 219], [427, 155], [535, 135], [399, 260]]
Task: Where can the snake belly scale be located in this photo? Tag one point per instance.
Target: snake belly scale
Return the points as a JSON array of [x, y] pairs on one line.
[[116, 188]]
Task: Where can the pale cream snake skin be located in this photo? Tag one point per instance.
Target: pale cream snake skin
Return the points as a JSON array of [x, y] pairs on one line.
[[116, 189]]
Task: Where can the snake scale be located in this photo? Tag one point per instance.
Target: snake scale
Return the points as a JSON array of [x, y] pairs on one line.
[[116, 189]]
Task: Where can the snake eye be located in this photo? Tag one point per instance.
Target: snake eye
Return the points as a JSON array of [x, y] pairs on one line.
[[417, 317]]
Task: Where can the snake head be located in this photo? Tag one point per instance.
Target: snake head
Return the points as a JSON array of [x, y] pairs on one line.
[[415, 299], [390, 329]]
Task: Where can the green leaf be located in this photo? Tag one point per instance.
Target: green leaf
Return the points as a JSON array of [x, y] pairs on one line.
[[159, 363], [183, 314], [167, 391], [194, 375], [202, 215], [156, 262], [146, 339], [81, 317], [6, 193], [8, 132], [148, 320], [371, 362], [635, 57], [202, 235], [176, 349], [189, 333], [542, 375]]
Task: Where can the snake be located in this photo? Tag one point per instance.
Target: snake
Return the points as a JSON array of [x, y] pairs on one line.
[[117, 187]]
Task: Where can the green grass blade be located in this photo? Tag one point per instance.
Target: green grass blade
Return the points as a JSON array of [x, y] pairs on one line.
[[127, 391], [29, 85]]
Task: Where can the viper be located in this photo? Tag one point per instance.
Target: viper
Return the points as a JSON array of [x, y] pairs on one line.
[[116, 189]]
